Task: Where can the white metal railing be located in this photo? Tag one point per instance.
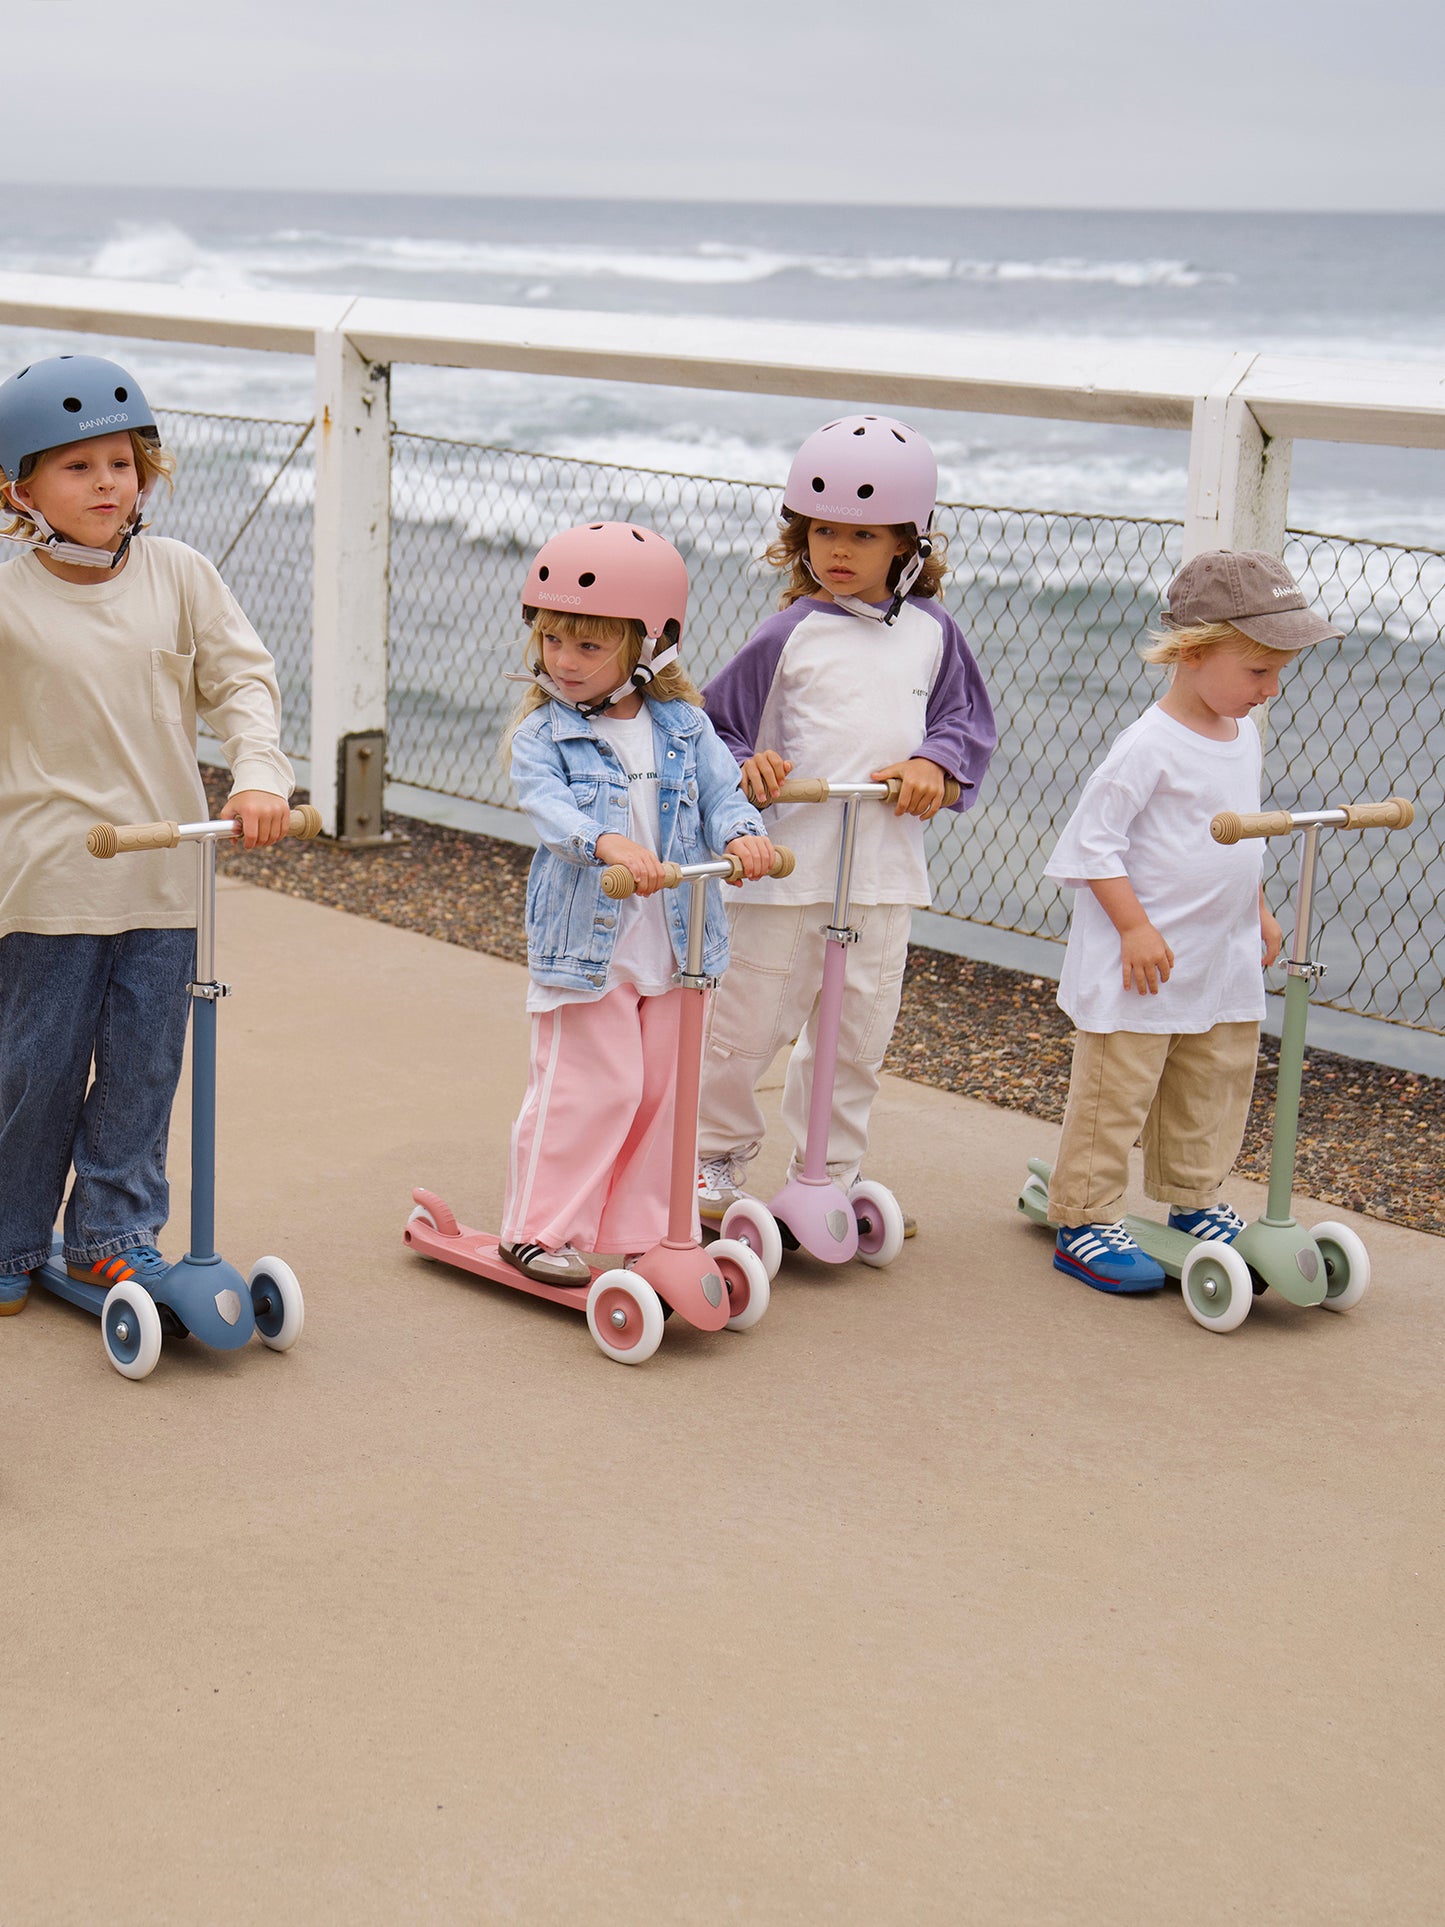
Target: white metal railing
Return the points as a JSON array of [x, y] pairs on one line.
[[1242, 412]]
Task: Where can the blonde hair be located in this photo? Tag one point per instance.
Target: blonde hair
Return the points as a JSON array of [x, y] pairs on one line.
[[152, 463], [670, 684], [1168, 646], [790, 551]]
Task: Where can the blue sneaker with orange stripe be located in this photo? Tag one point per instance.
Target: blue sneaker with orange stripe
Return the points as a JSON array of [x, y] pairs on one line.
[[144, 1264]]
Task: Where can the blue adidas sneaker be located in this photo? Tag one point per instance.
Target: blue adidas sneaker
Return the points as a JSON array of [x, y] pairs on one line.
[[1219, 1221], [143, 1263], [1106, 1257]]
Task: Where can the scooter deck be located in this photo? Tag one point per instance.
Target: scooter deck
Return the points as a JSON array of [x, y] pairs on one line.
[[1167, 1248], [479, 1252]]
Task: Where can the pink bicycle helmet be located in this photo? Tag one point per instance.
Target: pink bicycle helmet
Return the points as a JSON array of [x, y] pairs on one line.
[[612, 569], [864, 468]]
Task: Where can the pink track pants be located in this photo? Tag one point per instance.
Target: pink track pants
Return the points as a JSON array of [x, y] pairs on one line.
[[592, 1147]]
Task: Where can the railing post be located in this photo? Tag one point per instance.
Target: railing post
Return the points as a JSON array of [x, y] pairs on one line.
[[1238, 478], [350, 564]]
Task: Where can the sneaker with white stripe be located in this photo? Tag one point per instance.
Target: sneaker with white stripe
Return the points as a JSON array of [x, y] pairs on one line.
[[1220, 1221], [1106, 1257]]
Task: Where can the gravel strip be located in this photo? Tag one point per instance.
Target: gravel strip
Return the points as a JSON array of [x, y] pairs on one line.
[[1371, 1139]]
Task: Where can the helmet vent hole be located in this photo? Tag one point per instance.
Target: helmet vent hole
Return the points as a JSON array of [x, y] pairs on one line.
[[818, 485], [637, 535], [900, 438], [72, 405], [865, 491], [122, 394], [594, 525], [860, 431], [586, 579], [23, 373], [543, 573]]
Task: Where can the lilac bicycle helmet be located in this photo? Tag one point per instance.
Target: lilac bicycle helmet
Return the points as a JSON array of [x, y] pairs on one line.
[[612, 569], [871, 469]]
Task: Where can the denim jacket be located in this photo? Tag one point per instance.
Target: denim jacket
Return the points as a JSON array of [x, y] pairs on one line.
[[574, 789]]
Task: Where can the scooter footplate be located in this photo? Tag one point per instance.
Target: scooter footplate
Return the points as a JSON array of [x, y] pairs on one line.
[[479, 1253], [1165, 1247]]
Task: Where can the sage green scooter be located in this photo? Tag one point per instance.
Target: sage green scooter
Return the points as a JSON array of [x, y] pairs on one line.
[[1328, 1265]]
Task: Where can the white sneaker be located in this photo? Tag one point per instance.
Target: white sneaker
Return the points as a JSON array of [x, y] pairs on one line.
[[718, 1180], [564, 1266]]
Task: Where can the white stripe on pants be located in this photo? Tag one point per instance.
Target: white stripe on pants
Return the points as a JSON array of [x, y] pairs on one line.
[[769, 995], [591, 1149]]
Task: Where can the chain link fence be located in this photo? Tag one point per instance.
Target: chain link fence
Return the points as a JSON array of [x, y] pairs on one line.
[[1055, 606]]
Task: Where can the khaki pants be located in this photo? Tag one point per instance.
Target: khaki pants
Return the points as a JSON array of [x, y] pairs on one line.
[[769, 994], [1187, 1095]]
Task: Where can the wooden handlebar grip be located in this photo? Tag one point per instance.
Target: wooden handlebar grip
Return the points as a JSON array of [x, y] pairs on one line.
[[110, 839], [1230, 827], [305, 822], [617, 881], [1397, 814], [803, 789], [783, 860]]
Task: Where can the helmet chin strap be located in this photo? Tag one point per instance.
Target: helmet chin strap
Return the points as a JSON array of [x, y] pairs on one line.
[[911, 571], [78, 554], [648, 663]]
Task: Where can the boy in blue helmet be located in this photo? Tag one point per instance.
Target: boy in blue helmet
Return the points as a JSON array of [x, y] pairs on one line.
[[111, 645]]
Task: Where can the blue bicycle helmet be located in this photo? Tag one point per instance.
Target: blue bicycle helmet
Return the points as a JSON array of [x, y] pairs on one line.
[[69, 398]]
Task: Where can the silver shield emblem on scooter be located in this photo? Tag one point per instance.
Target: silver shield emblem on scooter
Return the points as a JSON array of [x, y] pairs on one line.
[[712, 1288], [837, 1223], [228, 1304]]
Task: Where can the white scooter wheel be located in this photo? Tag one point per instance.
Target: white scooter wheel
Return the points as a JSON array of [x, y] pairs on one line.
[[130, 1330], [750, 1222], [880, 1222], [277, 1302], [1347, 1265], [1218, 1290], [743, 1273], [624, 1315]]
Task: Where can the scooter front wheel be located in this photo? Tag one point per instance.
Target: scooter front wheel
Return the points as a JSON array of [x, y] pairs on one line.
[[277, 1302], [880, 1222], [1218, 1290], [130, 1330], [624, 1315], [746, 1279], [1347, 1265], [750, 1222]]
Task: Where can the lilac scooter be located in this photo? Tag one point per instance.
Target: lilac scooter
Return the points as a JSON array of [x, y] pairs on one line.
[[812, 1212]]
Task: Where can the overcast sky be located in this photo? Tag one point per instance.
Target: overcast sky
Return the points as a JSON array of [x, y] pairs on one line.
[[1082, 103]]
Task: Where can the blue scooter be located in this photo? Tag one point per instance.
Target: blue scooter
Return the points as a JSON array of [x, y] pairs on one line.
[[200, 1294]]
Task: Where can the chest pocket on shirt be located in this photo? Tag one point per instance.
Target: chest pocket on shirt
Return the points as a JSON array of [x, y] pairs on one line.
[[170, 682]]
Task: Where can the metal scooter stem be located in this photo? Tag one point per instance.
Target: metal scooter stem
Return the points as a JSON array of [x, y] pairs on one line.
[[205, 992], [1292, 1034], [830, 1002]]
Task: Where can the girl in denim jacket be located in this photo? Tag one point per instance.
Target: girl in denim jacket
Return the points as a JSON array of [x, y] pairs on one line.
[[614, 762]]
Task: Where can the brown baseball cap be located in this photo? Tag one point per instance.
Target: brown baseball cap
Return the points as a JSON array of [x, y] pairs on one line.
[[1253, 592]]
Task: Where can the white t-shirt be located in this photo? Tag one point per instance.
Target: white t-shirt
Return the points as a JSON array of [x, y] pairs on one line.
[[642, 955], [1144, 814]]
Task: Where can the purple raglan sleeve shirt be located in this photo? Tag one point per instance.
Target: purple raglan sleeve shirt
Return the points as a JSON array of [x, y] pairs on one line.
[[737, 693], [959, 734]]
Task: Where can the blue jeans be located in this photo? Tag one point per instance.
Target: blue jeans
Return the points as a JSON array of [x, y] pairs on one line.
[[119, 1000]]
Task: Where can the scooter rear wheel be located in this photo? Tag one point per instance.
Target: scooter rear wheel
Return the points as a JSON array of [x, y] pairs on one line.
[[746, 1279], [130, 1330], [750, 1222]]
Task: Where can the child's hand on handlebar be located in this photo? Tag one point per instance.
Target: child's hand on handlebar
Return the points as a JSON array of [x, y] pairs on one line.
[[263, 818], [922, 780], [763, 776], [645, 867], [755, 853]]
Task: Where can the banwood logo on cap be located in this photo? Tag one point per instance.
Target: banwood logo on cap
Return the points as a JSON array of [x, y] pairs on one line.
[[1253, 592]]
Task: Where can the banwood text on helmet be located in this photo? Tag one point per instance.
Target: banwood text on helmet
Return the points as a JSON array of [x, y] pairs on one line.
[[871, 469], [613, 569], [70, 398]]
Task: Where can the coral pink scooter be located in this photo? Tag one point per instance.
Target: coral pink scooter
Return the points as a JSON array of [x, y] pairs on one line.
[[721, 1285], [812, 1211]]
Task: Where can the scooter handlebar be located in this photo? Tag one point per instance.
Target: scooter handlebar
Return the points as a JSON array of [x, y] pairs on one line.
[[618, 881], [817, 789], [112, 839], [1230, 827]]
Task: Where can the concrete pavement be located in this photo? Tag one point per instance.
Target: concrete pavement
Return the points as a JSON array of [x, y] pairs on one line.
[[951, 1593]]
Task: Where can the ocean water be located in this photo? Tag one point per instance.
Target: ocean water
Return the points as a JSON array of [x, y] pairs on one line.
[[1347, 285]]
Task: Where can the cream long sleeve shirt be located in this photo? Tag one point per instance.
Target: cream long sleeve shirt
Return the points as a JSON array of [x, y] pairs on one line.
[[100, 688]]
